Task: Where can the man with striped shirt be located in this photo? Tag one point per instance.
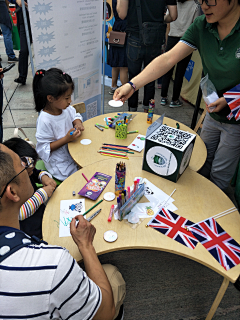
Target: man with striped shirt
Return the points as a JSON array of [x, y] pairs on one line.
[[40, 281]]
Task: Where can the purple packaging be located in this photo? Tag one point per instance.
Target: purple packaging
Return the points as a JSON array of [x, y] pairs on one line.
[[95, 186]]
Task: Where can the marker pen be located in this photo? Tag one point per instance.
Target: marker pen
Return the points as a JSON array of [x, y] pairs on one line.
[[129, 192], [111, 213], [72, 132], [123, 200], [138, 180], [135, 186], [98, 127], [135, 131]]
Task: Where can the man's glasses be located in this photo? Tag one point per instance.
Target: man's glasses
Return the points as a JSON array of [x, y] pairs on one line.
[[27, 162], [210, 3]]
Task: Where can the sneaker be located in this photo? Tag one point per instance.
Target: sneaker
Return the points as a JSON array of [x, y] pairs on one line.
[[164, 101], [10, 60], [120, 314], [175, 104], [20, 80], [112, 90]]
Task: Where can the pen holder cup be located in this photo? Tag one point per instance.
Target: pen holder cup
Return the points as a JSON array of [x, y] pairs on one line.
[[120, 178], [121, 130]]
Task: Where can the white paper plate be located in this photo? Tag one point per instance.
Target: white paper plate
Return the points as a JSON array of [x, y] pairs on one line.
[[109, 196], [110, 236], [85, 141], [115, 104]]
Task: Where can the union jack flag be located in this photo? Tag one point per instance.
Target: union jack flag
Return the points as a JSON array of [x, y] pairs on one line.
[[174, 226], [221, 246], [233, 99]]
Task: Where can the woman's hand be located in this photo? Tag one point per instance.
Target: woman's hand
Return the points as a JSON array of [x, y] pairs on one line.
[[216, 106], [123, 93]]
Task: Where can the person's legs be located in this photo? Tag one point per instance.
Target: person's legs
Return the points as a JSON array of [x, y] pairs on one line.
[[118, 286], [223, 147], [135, 59], [178, 81], [23, 54], [1, 107], [171, 42], [7, 37], [124, 75], [115, 73], [151, 53]]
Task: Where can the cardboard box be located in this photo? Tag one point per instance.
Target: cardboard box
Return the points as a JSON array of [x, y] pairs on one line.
[[167, 150]]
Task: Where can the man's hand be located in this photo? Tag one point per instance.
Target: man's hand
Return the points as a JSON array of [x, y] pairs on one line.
[[83, 233], [123, 93], [47, 181], [1, 75], [19, 3], [78, 125], [218, 105]]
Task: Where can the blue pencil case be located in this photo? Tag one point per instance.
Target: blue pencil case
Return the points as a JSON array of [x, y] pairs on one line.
[[127, 207]]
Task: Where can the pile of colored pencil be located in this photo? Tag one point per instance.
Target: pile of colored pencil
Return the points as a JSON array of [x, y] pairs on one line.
[[113, 150]]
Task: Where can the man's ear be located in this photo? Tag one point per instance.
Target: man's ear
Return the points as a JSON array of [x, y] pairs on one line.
[[50, 98], [12, 193]]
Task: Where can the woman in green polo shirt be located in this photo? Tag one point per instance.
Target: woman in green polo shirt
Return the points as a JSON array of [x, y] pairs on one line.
[[216, 34]]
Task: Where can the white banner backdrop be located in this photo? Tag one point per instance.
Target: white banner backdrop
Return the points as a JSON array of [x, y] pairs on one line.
[[68, 35]]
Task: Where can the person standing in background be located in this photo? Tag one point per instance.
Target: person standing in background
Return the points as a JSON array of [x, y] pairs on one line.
[[6, 26], [23, 54], [188, 10], [138, 53], [117, 57]]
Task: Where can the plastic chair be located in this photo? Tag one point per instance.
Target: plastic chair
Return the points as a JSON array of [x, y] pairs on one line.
[[40, 166]]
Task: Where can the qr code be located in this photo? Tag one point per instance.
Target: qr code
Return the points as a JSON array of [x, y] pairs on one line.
[[92, 110], [171, 137]]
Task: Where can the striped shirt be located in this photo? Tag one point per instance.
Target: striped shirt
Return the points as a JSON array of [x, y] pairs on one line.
[[32, 204], [45, 282]]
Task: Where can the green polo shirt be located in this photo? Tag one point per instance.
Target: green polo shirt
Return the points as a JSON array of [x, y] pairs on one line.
[[220, 58]]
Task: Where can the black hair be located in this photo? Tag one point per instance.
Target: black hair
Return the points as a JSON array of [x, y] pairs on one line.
[[7, 171], [22, 148], [52, 82], [182, 1]]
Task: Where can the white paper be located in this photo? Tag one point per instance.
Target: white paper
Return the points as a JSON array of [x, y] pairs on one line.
[[68, 210], [137, 144]]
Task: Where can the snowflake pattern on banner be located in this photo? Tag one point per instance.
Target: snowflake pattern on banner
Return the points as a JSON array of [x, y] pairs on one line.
[[92, 110], [172, 137]]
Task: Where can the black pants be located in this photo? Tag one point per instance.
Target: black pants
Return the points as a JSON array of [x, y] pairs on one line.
[[138, 54], [1, 107], [180, 71], [23, 54]]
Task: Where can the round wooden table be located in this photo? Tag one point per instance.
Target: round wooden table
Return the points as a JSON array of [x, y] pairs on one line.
[[84, 155], [196, 199]]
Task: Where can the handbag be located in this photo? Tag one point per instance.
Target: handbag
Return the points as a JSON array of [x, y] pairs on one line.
[[16, 135], [117, 38], [151, 33]]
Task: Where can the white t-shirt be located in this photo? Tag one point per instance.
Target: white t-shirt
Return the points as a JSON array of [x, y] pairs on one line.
[[42, 282], [52, 128], [187, 13]]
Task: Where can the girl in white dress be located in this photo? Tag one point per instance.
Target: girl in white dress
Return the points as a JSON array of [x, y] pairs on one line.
[[58, 122]]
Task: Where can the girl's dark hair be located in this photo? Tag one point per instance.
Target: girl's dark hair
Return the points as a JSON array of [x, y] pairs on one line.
[[182, 1], [22, 148], [52, 82]]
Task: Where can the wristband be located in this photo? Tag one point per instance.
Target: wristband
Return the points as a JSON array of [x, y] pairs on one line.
[[132, 85]]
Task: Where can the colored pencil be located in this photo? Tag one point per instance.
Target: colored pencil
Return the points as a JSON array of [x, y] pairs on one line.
[[84, 177], [116, 145], [112, 152], [111, 155], [92, 207], [117, 149]]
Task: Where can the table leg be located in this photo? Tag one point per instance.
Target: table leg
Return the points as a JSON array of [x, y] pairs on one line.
[[218, 298]]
